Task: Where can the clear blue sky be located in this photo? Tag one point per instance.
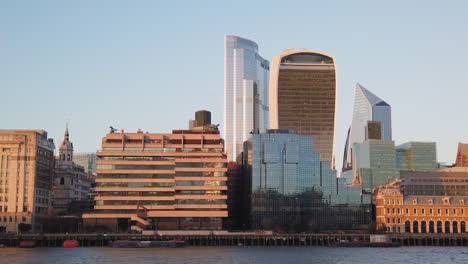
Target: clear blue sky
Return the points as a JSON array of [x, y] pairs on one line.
[[151, 64]]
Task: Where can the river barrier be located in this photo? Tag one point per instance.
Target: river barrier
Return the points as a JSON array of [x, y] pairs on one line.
[[233, 239]]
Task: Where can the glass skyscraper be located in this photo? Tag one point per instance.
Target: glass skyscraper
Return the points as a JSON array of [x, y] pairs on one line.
[[303, 97], [246, 76], [370, 114], [288, 189]]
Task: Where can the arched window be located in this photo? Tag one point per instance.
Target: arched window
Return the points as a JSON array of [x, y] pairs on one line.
[[463, 226], [439, 227], [407, 227], [423, 227], [455, 227], [447, 227], [415, 227], [431, 227]]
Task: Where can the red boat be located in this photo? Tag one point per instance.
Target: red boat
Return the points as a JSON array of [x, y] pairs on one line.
[[27, 244], [71, 243]]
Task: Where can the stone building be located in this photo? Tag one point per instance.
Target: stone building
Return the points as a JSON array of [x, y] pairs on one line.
[[71, 181], [399, 212], [26, 173]]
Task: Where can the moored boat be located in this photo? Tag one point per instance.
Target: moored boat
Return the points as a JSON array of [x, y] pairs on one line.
[[27, 244], [71, 243]]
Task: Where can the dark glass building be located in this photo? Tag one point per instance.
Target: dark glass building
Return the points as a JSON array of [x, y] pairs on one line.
[[288, 189]]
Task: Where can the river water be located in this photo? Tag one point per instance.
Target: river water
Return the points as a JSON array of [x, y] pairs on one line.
[[228, 255]]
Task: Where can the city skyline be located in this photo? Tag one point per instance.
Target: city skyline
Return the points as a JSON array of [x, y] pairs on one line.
[[72, 71]]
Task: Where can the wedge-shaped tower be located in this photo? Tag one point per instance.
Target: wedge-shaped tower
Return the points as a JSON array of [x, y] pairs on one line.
[[372, 119]]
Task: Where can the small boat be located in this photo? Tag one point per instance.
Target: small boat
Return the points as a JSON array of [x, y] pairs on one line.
[[27, 244], [146, 244], [71, 243]]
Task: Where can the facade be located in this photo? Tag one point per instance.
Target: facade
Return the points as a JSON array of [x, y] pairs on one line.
[[288, 189], [462, 155], [303, 97], [235, 196], [400, 213], [26, 173], [375, 164], [451, 181], [372, 119], [71, 182], [416, 156], [161, 181], [246, 76], [87, 161]]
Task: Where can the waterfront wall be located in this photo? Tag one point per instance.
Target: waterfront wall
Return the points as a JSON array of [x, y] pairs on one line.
[[233, 239]]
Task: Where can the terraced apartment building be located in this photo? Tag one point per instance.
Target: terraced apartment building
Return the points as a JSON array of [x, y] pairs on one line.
[[161, 181]]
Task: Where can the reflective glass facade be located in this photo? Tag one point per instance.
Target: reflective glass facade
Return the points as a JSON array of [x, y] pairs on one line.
[[416, 156], [367, 107], [303, 97], [288, 189], [375, 163], [246, 76]]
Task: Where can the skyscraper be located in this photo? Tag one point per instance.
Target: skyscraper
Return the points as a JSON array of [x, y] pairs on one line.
[[369, 110], [303, 97], [246, 76]]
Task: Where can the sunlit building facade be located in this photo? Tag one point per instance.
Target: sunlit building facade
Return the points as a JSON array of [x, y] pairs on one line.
[[246, 76], [26, 177], [303, 97], [462, 155], [161, 181], [372, 119], [398, 212]]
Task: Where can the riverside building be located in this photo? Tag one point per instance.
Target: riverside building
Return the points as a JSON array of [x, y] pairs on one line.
[[26, 173], [171, 181], [303, 97]]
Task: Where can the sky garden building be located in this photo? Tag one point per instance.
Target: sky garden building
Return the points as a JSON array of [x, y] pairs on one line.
[[303, 97], [161, 181]]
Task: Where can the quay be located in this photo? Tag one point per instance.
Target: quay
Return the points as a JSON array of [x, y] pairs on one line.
[[232, 239]]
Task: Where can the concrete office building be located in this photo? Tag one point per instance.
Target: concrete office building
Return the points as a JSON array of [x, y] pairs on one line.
[[246, 76], [303, 97], [26, 173], [161, 181]]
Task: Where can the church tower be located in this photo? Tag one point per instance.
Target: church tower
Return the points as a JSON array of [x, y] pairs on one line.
[[66, 148]]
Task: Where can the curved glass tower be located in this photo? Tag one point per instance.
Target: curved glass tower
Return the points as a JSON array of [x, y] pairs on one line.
[[303, 97], [246, 76], [372, 119]]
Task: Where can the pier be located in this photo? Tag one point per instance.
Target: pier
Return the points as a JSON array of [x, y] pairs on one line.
[[233, 239]]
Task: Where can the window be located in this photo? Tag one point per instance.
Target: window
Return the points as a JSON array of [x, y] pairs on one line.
[[454, 211], [422, 211], [414, 211], [388, 220], [62, 181], [430, 211], [446, 211], [438, 211]]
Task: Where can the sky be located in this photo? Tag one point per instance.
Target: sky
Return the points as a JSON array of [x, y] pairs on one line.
[[152, 64]]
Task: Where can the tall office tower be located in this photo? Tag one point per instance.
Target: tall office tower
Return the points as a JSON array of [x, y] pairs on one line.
[[161, 181], [71, 181], [303, 97], [26, 174], [246, 76], [462, 155], [416, 156], [369, 110], [203, 118]]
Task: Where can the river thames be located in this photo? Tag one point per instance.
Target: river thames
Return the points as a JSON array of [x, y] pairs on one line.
[[227, 255]]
